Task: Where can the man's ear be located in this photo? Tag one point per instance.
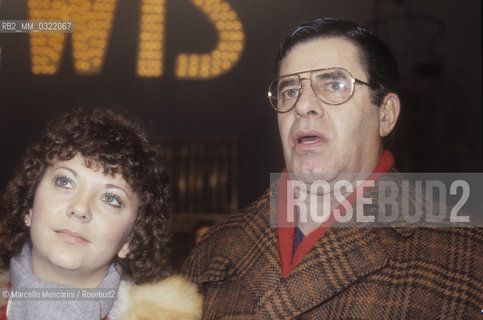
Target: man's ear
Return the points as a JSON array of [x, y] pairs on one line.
[[388, 113]]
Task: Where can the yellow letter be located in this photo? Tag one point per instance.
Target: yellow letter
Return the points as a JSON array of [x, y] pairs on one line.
[[228, 50], [92, 28], [151, 38]]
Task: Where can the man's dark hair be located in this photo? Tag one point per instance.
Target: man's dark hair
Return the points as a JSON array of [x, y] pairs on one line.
[[376, 58]]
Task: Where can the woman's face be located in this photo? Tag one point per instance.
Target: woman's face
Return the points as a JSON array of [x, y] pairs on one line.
[[80, 220]]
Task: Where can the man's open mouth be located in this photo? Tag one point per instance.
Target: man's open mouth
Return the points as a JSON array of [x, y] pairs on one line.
[[309, 137]]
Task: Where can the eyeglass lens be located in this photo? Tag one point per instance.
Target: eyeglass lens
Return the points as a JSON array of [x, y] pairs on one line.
[[333, 86]]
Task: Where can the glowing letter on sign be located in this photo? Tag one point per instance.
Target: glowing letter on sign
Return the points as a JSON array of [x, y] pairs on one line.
[[228, 50], [92, 28], [151, 38]]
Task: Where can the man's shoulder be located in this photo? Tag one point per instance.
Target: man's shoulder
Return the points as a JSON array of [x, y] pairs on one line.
[[227, 241], [438, 261], [4, 277], [468, 240], [433, 244], [256, 213], [4, 283]]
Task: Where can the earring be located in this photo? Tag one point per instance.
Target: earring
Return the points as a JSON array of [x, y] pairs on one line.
[[123, 252], [27, 220]]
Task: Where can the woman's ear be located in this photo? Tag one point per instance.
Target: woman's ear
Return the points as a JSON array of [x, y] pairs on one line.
[[388, 114], [122, 254], [27, 218]]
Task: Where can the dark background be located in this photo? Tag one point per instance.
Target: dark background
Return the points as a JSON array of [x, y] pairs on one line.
[[437, 42]]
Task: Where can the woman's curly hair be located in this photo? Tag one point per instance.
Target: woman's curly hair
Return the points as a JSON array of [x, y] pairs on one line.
[[115, 141]]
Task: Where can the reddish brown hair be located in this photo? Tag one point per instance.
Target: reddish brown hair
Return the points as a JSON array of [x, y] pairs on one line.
[[115, 141]]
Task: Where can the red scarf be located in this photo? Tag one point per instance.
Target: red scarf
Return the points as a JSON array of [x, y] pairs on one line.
[[286, 229]]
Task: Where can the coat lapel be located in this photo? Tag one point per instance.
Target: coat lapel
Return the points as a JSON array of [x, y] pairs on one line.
[[340, 258]]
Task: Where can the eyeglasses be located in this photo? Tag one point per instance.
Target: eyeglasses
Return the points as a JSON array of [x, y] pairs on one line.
[[331, 85]]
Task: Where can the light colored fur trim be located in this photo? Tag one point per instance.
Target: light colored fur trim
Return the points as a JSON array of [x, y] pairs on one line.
[[173, 298]]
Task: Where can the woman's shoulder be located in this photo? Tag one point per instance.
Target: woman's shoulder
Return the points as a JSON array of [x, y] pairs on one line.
[[170, 298]]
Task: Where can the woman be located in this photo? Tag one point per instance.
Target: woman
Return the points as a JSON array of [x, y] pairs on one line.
[[88, 206]]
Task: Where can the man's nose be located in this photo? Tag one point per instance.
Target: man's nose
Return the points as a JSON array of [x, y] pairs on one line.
[[308, 104]]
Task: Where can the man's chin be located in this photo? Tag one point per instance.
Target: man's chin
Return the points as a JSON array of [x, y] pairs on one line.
[[311, 176]]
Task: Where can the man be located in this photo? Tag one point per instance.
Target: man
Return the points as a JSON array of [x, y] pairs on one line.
[[336, 98]]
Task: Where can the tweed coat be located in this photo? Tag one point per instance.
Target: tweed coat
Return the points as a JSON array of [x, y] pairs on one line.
[[350, 273]]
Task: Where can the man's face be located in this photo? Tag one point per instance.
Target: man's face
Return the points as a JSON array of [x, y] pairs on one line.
[[328, 141]]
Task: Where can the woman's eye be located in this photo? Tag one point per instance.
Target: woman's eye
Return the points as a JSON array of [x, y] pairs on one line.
[[112, 200], [63, 182]]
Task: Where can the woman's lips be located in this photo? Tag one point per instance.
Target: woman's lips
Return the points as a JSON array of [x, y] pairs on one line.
[[71, 236]]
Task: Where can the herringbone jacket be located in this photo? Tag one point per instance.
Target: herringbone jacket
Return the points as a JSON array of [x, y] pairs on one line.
[[350, 273]]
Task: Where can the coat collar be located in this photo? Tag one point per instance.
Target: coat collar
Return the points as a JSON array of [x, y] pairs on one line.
[[339, 259], [342, 257]]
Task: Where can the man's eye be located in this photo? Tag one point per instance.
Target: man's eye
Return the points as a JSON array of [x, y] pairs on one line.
[[289, 93], [112, 200], [336, 86]]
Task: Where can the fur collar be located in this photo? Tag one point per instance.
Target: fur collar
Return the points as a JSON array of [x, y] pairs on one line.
[[173, 298]]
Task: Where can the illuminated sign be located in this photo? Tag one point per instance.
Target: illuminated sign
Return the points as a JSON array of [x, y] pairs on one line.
[[151, 38], [93, 21], [229, 47], [92, 27]]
